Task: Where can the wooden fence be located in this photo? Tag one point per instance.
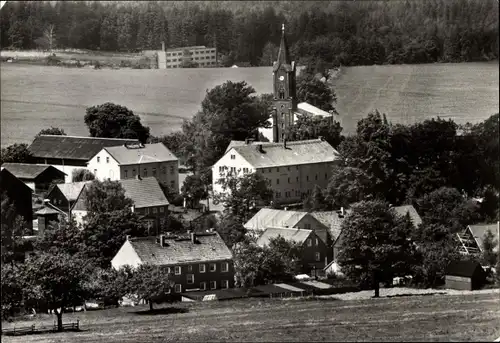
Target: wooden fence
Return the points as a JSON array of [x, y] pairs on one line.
[[30, 330]]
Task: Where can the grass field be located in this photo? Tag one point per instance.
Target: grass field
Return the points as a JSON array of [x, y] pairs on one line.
[[35, 97], [418, 318]]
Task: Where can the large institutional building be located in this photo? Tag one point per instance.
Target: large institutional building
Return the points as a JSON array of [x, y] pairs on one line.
[[201, 55]]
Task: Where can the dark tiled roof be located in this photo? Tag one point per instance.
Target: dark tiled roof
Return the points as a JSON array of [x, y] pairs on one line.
[[463, 268], [30, 171], [143, 153], [297, 152], [71, 147], [209, 247], [144, 192], [331, 220], [290, 234]]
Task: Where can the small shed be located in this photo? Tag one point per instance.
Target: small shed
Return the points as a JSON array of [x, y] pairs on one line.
[[464, 275]]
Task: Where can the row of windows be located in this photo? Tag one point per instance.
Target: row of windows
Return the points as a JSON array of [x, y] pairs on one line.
[[270, 170], [233, 169], [99, 159], [154, 210], [297, 178], [203, 285], [197, 52], [145, 171], [201, 64], [202, 268]]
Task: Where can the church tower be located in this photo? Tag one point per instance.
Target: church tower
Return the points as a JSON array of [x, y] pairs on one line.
[[285, 98]]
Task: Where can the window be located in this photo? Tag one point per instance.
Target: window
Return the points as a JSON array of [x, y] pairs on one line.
[[287, 194], [221, 169], [233, 170], [178, 288], [126, 173], [317, 241], [146, 211], [98, 159], [213, 285], [277, 181], [307, 226], [171, 169], [107, 159], [133, 172], [203, 286], [224, 267], [213, 267], [270, 170], [316, 177], [202, 268], [145, 172], [155, 210], [245, 170], [95, 172], [278, 194], [164, 170], [162, 209], [326, 176], [190, 279], [318, 256], [169, 270], [278, 169], [225, 284], [177, 270], [288, 180], [172, 184], [297, 178], [307, 177], [154, 171], [288, 168], [233, 157], [309, 242], [190, 268]]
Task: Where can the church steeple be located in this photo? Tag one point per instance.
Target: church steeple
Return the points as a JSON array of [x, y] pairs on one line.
[[283, 54], [285, 101]]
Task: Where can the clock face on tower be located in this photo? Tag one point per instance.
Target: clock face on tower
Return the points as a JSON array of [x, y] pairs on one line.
[[282, 78]]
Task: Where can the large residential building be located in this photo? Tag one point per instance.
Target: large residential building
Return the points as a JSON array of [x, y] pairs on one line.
[[67, 153], [315, 254], [200, 261], [286, 108], [128, 161], [147, 197], [293, 168], [38, 177], [201, 55]]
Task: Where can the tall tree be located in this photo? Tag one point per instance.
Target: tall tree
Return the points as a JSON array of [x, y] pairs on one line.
[[16, 153], [152, 283], [106, 196], [52, 131], [316, 93], [312, 127], [346, 186]]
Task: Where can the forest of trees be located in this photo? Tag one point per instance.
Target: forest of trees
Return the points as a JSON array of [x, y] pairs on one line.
[[339, 32]]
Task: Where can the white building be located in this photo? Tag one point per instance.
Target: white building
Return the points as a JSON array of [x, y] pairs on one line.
[[130, 160], [293, 168]]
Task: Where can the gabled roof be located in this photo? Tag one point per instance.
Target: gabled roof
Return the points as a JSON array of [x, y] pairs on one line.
[[403, 210], [7, 179], [241, 143], [311, 109], [290, 234], [30, 171], [72, 190], [72, 147], [209, 247], [463, 268], [144, 192], [283, 53], [331, 220], [268, 217], [480, 230], [141, 153], [295, 153]]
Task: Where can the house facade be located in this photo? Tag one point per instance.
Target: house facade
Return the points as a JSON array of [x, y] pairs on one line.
[[292, 168], [131, 160], [64, 195], [68, 153], [39, 177], [200, 261], [315, 254]]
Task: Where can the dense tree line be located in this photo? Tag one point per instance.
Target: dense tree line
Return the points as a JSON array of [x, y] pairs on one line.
[[344, 32]]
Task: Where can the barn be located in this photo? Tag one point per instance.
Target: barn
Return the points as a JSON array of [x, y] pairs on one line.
[[464, 275]]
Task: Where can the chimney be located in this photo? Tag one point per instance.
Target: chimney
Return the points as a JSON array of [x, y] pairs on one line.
[[128, 237], [259, 148], [193, 237], [342, 211], [162, 46], [284, 143], [46, 201], [320, 138]]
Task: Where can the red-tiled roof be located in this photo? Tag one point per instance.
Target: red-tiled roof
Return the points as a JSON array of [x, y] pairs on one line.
[[208, 247]]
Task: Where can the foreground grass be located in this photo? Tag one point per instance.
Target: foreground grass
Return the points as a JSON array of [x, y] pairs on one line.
[[419, 318]]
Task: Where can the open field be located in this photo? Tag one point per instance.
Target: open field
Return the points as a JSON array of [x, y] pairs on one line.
[[35, 97], [473, 317]]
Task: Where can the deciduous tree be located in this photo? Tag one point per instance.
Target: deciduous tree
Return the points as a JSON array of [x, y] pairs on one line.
[[115, 121], [78, 175], [52, 131], [194, 189], [152, 283], [105, 196], [489, 257], [316, 93], [16, 153], [312, 127], [347, 185]]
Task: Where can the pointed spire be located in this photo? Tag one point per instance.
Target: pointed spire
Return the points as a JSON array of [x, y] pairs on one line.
[[283, 54]]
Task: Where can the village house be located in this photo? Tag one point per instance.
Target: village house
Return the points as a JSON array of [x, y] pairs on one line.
[[472, 238], [315, 254], [39, 177], [292, 168], [268, 217], [64, 195], [20, 195], [197, 262], [130, 160], [147, 197], [68, 153]]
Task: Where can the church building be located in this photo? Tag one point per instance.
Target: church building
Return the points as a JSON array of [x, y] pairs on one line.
[[285, 105]]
